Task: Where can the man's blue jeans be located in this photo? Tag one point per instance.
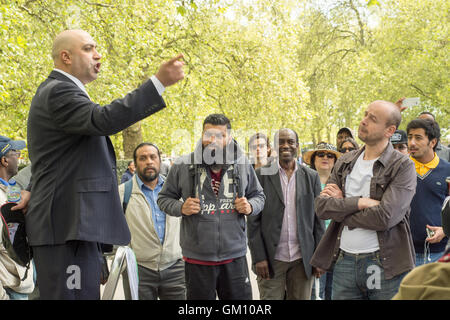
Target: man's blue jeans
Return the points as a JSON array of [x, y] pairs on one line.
[[434, 256], [361, 277]]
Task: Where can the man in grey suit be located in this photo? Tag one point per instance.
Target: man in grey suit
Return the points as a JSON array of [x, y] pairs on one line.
[[282, 239], [74, 204]]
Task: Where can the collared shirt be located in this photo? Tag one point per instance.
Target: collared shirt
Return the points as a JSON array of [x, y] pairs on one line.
[[423, 168], [75, 80], [158, 85], [288, 248], [159, 217]]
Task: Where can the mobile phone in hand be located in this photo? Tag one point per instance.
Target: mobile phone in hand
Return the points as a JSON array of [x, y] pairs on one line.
[[410, 102]]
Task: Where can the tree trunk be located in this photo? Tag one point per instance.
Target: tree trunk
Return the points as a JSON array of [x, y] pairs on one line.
[[132, 136]]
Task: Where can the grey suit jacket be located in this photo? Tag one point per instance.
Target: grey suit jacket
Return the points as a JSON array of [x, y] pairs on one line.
[[264, 230], [74, 193]]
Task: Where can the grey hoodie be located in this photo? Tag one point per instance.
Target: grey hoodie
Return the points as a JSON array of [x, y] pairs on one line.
[[218, 231]]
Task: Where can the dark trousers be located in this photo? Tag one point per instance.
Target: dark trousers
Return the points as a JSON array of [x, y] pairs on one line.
[[167, 284], [70, 271], [230, 281]]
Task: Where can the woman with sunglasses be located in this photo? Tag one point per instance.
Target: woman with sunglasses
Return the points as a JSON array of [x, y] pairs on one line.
[[347, 145], [322, 159]]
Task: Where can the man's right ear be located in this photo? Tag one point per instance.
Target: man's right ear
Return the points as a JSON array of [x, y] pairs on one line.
[[65, 57], [4, 161]]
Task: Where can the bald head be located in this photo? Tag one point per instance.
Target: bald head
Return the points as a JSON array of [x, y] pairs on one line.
[[394, 116], [66, 40], [427, 115], [379, 123], [75, 52]]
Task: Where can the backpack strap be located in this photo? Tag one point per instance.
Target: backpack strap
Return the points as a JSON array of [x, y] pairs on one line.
[[127, 194], [192, 174]]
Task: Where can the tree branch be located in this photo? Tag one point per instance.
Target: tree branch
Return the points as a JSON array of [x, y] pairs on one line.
[[420, 91], [100, 4]]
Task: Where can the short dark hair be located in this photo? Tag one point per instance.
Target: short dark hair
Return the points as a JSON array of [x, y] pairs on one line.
[[275, 140], [429, 113], [431, 128], [142, 145], [217, 119]]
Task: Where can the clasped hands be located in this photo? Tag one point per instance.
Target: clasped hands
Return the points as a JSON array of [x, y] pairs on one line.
[[192, 206]]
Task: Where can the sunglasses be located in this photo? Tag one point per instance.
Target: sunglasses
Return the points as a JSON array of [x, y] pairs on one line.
[[344, 150], [325, 154]]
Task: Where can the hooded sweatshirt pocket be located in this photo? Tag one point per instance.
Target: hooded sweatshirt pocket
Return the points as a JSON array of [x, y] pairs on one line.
[[207, 237], [233, 236]]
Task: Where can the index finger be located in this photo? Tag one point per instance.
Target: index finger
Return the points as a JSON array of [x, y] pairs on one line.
[[18, 206], [178, 57]]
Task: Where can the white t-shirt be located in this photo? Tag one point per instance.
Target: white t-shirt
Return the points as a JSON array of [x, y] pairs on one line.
[[359, 240]]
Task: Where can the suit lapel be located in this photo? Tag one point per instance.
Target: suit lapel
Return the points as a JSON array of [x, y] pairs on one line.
[[61, 77], [300, 183], [275, 180], [300, 188]]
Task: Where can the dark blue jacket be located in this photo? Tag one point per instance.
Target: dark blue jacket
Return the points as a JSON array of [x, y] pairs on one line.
[[127, 175], [427, 204], [74, 193]]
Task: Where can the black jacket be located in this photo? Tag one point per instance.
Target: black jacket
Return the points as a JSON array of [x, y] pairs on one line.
[[264, 230], [74, 193]]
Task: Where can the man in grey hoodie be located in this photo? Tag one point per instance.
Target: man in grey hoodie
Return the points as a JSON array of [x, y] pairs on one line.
[[213, 189]]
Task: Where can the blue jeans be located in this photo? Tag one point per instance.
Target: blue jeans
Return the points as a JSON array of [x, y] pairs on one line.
[[16, 295], [361, 277], [434, 256], [326, 281]]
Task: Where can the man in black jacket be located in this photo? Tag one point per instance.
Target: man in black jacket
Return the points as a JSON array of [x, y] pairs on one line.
[[282, 239], [74, 204]]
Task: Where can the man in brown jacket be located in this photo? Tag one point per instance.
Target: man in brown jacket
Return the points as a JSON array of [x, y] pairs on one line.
[[368, 243]]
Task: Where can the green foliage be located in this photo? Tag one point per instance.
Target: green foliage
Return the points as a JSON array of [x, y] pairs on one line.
[[309, 65]]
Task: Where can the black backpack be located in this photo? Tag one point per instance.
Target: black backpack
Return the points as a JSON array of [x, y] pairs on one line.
[[18, 248]]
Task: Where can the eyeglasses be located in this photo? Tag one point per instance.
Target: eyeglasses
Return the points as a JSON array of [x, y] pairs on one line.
[[400, 146], [344, 150], [325, 154]]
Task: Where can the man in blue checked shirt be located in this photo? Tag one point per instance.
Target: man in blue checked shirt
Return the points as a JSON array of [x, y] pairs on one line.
[[155, 236]]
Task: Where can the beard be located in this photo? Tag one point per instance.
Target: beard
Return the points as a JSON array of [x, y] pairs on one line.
[[367, 138], [213, 155], [147, 175]]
